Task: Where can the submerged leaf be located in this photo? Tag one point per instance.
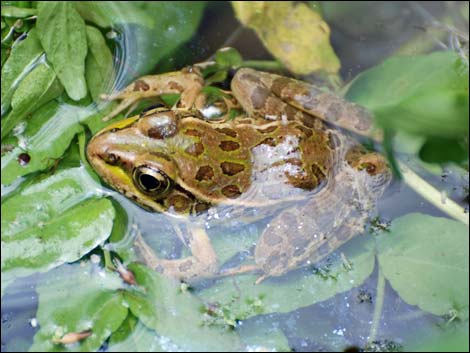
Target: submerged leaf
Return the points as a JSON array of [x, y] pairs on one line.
[[20, 61], [37, 88], [48, 135], [177, 315], [292, 32], [241, 296], [50, 223], [78, 299], [425, 259], [426, 95], [62, 34]]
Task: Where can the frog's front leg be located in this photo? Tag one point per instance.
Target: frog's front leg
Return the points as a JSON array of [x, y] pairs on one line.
[[202, 263], [276, 97], [187, 82]]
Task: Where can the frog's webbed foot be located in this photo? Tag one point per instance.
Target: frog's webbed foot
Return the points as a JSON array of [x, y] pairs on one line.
[[188, 83], [202, 263]]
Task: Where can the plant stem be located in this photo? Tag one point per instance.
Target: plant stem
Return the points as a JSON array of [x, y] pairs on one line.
[[379, 301], [108, 263], [431, 194]]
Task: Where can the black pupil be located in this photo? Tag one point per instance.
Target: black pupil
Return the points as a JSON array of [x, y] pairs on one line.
[[149, 182]]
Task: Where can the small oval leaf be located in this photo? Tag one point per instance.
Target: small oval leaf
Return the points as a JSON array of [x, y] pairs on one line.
[[62, 34]]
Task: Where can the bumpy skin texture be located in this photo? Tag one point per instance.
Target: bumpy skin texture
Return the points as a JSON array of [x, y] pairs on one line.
[[280, 158]]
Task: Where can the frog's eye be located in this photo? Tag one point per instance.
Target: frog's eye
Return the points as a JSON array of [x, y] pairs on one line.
[[152, 181]]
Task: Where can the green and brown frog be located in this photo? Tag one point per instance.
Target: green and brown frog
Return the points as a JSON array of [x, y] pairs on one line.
[[284, 157]]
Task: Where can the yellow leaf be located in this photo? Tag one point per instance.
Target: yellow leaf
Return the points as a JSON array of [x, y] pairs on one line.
[[292, 32]]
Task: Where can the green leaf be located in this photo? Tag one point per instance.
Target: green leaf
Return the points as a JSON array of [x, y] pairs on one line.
[[178, 316], [76, 299], [99, 63], [262, 333], [105, 14], [51, 222], [22, 57], [133, 336], [37, 88], [18, 12], [426, 261], [48, 135], [62, 34], [296, 290], [438, 150], [426, 95], [142, 307]]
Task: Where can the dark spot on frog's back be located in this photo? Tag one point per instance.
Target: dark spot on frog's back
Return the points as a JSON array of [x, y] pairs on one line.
[[140, 85], [163, 131], [205, 173], [259, 96], [193, 132], [175, 86], [279, 84], [250, 78], [229, 146], [231, 191], [268, 129], [195, 149], [230, 168], [227, 131]]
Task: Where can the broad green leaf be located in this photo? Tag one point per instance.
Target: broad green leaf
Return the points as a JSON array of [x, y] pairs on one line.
[[37, 88], [18, 12], [21, 60], [133, 336], [263, 334], [292, 32], [426, 95], [106, 13], [178, 315], [452, 339], [62, 34], [76, 299], [425, 259], [241, 296], [99, 63], [51, 222], [142, 307], [47, 136], [439, 150]]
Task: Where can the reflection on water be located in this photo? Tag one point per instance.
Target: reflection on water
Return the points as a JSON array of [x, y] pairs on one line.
[[343, 320]]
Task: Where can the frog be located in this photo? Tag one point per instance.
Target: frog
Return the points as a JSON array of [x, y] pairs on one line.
[[287, 157]]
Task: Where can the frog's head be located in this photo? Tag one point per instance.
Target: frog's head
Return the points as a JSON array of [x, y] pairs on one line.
[[135, 157]]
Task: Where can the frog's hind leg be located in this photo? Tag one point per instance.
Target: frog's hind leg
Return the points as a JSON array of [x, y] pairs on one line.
[[202, 263], [265, 94], [188, 83]]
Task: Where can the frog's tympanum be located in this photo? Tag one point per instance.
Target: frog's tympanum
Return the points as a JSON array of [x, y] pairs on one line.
[[283, 158]]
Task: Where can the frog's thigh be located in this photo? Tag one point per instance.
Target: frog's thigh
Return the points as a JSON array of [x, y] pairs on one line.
[[202, 263], [288, 242], [185, 82]]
